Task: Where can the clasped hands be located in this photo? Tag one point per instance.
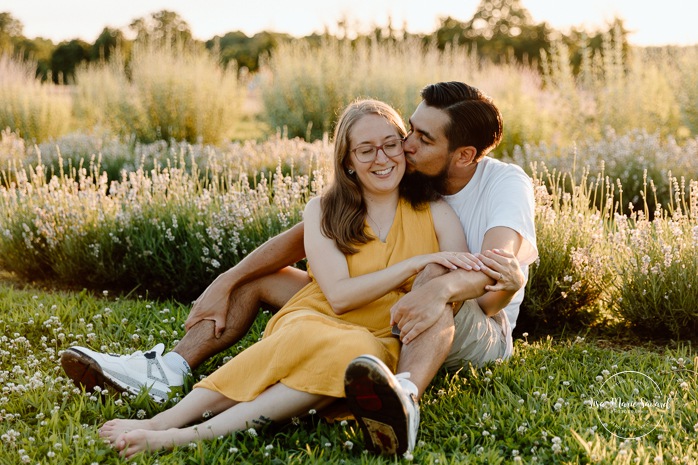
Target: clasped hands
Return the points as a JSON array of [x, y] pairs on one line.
[[419, 309]]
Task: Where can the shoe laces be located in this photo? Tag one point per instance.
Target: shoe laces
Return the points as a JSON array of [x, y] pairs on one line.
[[407, 386]]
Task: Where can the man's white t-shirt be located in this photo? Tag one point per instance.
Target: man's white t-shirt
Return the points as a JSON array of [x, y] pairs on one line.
[[499, 194]]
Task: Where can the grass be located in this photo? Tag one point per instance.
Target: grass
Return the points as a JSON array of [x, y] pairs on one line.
[[544, 405]]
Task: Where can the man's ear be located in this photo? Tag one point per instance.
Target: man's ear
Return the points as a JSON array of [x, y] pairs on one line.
[[465, 155]]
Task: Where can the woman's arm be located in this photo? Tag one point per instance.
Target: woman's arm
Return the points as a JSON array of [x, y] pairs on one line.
[[330, 268]]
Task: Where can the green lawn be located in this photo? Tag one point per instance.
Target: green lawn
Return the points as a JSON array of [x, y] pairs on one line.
[[571, 399]]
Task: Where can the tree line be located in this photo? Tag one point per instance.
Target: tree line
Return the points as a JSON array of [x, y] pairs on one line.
[[499, 31]]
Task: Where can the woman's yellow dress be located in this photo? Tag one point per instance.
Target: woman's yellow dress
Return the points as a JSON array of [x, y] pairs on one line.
[[306, 346]]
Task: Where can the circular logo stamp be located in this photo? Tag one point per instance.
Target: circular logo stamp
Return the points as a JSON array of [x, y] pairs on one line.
[[630, 404]]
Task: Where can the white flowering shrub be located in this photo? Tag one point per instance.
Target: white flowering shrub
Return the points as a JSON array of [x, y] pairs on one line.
[[567, 281], [169, 231], [656, 291], [641, 165]]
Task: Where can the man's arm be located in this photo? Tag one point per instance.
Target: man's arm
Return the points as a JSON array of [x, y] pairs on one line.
[[278, 252], [507, 242], [422, 306]]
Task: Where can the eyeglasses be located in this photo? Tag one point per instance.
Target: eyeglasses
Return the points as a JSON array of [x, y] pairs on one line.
[[366, 153]]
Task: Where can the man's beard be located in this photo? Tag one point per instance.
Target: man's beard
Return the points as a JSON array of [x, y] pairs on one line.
[[418, 187]]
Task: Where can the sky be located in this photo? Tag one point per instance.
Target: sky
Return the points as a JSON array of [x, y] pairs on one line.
[[651, 22]]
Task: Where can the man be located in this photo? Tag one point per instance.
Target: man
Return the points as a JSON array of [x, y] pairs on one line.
[[452, 131]]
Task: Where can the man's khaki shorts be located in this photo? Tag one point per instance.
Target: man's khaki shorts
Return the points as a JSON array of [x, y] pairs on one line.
[[479, 339]]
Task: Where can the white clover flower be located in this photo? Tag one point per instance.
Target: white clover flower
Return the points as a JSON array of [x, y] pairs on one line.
[[348, 445], [343, 423], [408, 456], [269, 447], [140, 414], [312, 411], [233, 450], [252, 432]]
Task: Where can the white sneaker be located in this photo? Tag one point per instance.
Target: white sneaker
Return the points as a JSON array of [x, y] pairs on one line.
[[387, 414], [122, 372]]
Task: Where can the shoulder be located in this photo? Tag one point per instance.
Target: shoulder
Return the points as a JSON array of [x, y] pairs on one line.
[[503, 176], [442, 212], [439, 207], [497, 169], [313, 209]]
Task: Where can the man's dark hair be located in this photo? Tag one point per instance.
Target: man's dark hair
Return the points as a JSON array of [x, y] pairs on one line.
[[474, 120]]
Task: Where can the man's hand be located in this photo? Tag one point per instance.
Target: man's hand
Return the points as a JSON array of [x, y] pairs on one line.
[[212, 305], [504, 268], [418, 310]]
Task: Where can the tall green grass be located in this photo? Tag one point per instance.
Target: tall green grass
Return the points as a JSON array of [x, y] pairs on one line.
[[37, 111], [168, 93], [305, 85], [163, 93]]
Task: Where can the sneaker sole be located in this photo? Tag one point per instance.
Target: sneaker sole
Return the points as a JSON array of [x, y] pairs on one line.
[[377, 408], [86, 372]]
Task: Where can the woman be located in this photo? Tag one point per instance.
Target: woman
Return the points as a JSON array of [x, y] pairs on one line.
[[364, 242]]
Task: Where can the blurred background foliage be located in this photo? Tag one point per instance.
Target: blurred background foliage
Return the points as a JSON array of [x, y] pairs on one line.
[[499, 31]]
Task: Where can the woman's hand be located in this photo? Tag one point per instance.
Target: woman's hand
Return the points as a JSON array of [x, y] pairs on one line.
[[504, 268], [449, 260]]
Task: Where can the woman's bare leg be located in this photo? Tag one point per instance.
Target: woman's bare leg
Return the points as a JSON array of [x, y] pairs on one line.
[[278, 403], [193, 408]]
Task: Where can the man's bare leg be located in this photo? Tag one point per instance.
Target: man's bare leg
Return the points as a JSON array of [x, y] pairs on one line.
[[200, 342], [423, 357], [386, 406], [159, 371]]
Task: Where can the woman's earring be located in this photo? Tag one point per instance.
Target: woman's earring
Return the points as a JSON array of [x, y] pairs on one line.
[[350, 171]]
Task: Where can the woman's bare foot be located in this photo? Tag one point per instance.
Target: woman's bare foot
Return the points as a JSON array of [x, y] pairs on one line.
[[141, 440], [112, 429]]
